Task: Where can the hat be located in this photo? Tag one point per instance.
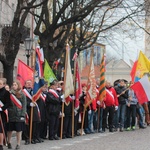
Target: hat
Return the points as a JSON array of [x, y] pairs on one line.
[[83, 85], [53, 82]]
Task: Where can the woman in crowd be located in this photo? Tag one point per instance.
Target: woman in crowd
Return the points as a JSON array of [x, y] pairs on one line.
[[5, 102], [16, 113]]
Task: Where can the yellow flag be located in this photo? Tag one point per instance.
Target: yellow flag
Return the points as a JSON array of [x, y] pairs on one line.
[[143, 66]]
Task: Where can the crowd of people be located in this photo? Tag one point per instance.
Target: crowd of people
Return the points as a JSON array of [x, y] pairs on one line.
[[118, 111]]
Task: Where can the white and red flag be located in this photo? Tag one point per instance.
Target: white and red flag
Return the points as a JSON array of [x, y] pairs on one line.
[[141, 89]]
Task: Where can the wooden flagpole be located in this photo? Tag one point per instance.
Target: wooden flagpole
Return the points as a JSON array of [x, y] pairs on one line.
[[31, 114], [62, 110], [73, 104], [86, 96]]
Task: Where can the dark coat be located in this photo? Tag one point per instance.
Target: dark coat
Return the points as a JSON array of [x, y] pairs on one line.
[[14, 113], [5, 99], [36, 117], [42, 107], [53, 105], [122, 98]]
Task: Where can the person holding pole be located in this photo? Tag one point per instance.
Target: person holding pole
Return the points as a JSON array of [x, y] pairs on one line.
[[16, 113], [5, 103], [53, 109], [36, 114]]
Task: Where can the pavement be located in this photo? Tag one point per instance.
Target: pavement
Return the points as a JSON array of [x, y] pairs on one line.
[[127, 140]]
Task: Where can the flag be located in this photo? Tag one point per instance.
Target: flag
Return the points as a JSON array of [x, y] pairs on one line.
[[38, 80], [24, 72], [78, 88], [91, 85], [133, 70], [40, 57], [48, 73], [102, 89], [143, 66], [68, 88], [141, 89]]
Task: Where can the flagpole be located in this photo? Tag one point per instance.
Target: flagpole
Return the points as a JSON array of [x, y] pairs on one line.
[[62, 110], [73, 104], [31, 114], [85, 106]]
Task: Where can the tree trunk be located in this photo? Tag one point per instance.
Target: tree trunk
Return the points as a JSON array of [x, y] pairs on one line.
[[8, 73]]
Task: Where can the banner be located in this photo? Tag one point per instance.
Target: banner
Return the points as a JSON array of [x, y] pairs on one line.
[[102, 89], [38, 80], [24, 72], [48, 73], [69, 88]]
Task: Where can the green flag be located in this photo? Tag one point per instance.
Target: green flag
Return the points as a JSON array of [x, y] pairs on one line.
[[48, 73]]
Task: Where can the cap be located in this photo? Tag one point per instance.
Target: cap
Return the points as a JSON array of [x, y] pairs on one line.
[[83, 85]]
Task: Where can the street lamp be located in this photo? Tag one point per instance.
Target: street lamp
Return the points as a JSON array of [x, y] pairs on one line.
[[28, 46]]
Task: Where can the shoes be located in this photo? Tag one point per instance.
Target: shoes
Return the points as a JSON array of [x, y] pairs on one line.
[[133, 127], [100, 131], [111, 130], [142, 127], [63, 137], [56, 138], [68, 136], [51, 138], [33, 141], [103, 129], [121, 129], [9, 146], [27, 142], [128, 129], [1, 147], [17, 147]]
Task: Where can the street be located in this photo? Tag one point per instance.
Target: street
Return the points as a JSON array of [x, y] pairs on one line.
[[133, 140]]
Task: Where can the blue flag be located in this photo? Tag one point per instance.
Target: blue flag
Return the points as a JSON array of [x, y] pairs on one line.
[[38, 80]]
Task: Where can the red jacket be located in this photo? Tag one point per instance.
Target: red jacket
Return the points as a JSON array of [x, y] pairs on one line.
[[111, 97]]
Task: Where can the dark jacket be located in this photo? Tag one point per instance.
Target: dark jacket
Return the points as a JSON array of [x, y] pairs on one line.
[[53, 105], [16, 114], [122, 98], [5, 99], [42, 107], [36, 115]]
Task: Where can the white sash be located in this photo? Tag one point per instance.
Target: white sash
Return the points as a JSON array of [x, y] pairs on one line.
[[43, 97], [110, 94], [27, 94], [15, 101], [54, 93]]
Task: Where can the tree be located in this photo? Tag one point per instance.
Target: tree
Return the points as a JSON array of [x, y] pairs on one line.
[[79, 22]]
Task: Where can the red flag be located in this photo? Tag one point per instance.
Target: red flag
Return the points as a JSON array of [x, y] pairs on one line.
[[133, 71], [141, 89], [91, 85], [78, 88], [24, 72]]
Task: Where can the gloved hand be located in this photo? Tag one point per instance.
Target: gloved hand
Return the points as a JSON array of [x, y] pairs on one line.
[[89, 112], [63, 98], [61, 114], [73, 97], [1, 109], [75, 112], [116, 108], [22, 118], [98, 102], [32, 104]]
